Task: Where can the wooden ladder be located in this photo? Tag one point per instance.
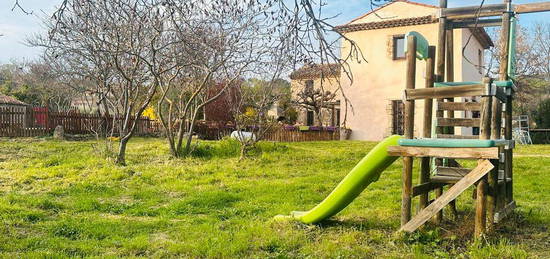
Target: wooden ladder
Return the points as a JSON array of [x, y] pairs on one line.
[[482, 169]]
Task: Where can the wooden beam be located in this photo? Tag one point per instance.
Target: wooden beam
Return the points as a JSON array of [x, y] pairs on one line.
[[424, 188], [470, 12], [458, 122], [532, 7], [444, 179], [481, 170], [446, 92], [472, 23], [458, 153], [466, 11], [472, 15], [458, 106]]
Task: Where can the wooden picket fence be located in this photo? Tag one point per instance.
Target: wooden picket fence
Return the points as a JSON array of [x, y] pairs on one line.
[[21, 121], [285, 135], [215, 131]]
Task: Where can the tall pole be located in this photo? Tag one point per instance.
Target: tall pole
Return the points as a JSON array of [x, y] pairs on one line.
[[440, 77], [482, 190], [503, 75], [406, 194], [427, 127]]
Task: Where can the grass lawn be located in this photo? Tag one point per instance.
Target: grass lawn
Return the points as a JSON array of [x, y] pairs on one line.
[[61, 199]]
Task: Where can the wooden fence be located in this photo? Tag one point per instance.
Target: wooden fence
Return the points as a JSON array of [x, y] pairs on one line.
[[285, 135], [215, 131], [21, 121]]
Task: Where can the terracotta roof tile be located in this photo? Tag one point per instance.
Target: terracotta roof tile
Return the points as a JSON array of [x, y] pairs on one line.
[[4, 99], [316, 71], [386, 24], [479, 33]]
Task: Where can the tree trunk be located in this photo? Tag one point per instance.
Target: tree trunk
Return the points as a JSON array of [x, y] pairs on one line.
[[121, 157], [172, 146], [189, 137], [319, 114], [243, 152]]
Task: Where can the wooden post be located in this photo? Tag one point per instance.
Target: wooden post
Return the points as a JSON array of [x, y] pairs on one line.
[[485, 133], [485, 116], [427, 127], [450, 78], [440, 66], [508, 155], [450, 70], [440, 77], [406, 193], [480, 208], [496, 133]]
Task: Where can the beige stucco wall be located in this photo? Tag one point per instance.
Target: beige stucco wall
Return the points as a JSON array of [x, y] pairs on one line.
[[469, 70], [382, 79]]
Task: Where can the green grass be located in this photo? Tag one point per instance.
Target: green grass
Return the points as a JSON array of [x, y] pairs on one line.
[[60, 199]]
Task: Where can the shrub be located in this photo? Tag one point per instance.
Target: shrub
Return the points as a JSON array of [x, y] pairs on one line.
[[542, 114]]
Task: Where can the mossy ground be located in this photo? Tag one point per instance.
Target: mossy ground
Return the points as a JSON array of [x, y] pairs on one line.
[[61, 199]]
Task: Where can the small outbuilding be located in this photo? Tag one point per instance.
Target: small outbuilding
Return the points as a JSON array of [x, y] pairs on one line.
[[7, 101], [14, 113]]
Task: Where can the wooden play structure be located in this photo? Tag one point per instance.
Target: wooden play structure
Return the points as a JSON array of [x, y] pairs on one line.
[[439, 144]]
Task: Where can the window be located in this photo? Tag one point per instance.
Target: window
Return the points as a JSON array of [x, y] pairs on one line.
[[398, 47], [309, 118], [309, 85], [480, 61]]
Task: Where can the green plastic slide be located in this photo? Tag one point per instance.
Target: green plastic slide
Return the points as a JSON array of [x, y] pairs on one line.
[[368, 170]]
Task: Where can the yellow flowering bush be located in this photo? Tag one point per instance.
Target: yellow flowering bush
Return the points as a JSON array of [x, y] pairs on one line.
[[150, 113]]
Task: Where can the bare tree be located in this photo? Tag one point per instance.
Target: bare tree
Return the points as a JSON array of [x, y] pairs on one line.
[[116, 43], [220, 43], [134, 49], [37, 83], [251, 112], [532, 65], [315, 99]]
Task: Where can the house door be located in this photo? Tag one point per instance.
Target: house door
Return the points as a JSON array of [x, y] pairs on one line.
[[310, 117], [397, 108]]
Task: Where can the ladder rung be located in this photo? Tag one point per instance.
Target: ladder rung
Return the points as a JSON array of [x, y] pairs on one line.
[[446, 92], [445, 179], [452, 171], [458, 106], [458, 122]]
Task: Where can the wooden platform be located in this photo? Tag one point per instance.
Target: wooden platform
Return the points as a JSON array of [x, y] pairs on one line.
[[457, 153]]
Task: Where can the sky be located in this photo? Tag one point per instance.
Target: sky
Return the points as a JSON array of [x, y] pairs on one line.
[[16, 26]]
